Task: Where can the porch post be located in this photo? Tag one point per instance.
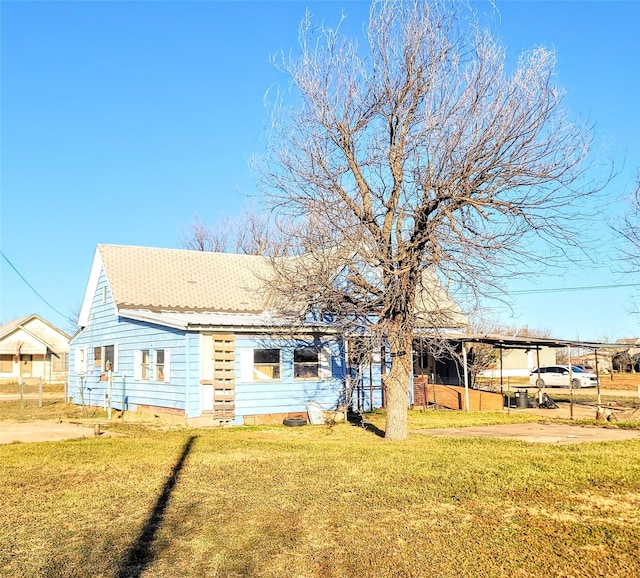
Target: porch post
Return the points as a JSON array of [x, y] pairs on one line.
[[595, 352], [466, 375], [570, 381]]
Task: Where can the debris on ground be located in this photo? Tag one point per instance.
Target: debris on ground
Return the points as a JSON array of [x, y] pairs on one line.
[[614, 415]]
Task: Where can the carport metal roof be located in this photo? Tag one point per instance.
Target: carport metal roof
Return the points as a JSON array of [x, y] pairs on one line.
[[526, 342]]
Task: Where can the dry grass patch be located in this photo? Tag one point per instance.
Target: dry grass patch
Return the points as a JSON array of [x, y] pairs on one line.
[[30, 410], [319, 502]]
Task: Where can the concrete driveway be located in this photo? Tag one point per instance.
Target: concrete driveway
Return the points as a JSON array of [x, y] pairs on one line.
[[538, 432]]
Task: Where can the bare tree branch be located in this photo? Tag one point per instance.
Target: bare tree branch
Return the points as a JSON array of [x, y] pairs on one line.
[[419, 151]]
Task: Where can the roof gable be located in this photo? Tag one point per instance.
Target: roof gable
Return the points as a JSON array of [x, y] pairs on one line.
[[179, 280], [32, 335]]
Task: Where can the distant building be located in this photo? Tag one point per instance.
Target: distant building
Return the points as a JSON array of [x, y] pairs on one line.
[[33, 349], [519, 362]]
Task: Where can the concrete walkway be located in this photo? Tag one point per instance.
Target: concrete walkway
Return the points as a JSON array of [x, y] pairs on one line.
[[538, 432]]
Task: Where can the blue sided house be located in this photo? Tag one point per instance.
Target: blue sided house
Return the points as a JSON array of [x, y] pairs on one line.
[[189, 334]]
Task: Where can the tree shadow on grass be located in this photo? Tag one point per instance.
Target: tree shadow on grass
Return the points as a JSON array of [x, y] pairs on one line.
[[357, 419], [140, 555]]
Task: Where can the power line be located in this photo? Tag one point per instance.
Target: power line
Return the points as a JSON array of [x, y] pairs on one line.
[[570, 289], [29, 284]]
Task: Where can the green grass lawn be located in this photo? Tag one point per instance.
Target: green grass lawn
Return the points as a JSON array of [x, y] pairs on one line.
[[319, 502]]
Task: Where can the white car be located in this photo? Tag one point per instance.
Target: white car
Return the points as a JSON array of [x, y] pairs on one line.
[[558, 376]]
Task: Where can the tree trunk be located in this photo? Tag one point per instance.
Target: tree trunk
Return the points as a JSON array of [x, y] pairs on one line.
[[397, 385]]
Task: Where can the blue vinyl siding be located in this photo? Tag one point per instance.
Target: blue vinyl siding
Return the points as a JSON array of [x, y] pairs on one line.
[[285, 395], [183, 390], [106, 328], [193, 403]]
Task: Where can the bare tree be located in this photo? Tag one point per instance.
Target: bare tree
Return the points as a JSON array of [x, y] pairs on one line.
[[629, 229], [252, 233], [414, 156], [201, 237]]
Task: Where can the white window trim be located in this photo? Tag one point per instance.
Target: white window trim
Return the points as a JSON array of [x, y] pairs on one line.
[[80, 360], [266, 379], [246, 365], [324, 358]]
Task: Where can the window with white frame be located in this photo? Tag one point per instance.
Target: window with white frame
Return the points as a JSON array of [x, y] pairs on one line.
[[266, 364], [306, 363], [105, 358], [151, 365], [159, 365], [145, 367]]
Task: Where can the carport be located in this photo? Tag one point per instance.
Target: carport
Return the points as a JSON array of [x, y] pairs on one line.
[[502, 342]]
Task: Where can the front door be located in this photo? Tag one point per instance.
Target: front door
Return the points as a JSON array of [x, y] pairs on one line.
[[26, 365]]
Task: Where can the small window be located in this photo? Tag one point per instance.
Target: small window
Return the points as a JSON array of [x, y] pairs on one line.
[[266, 364], [159, 367], [306, 363], [144, 365], [105, 358], [6, 363], [109, 357]]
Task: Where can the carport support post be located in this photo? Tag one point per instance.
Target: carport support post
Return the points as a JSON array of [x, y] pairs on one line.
[[538, 378], [570, 381], [466, 375], [595, 353], [109, 387]]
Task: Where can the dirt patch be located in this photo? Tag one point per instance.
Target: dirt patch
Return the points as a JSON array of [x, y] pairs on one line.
[[46, 431]]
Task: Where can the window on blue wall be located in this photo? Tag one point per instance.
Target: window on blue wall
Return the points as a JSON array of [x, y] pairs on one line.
[[306, 363], [144, 365], [266, 364], [159, 367], [105, 358]]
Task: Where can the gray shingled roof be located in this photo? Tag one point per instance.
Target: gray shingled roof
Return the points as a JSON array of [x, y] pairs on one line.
[[181, 280], [152, 279]]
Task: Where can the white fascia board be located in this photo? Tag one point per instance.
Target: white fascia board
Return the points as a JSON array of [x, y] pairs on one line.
[[179, 321], [150, 317], [92, 286]]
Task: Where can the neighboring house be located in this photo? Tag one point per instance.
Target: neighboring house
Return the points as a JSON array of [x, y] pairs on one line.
[[589, 360], [519, 362], [190, 333], [33, 349], [629, 344]]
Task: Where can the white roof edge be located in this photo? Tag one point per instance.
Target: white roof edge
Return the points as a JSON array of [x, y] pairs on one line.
[[141, 315], [92, 285], [178, 321]]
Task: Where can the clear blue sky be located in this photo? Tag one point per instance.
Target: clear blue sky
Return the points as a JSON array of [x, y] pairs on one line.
[[120, 120]]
